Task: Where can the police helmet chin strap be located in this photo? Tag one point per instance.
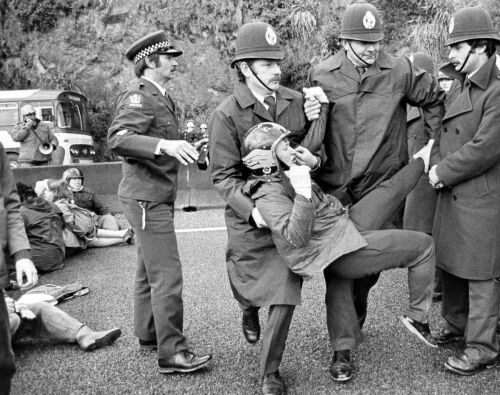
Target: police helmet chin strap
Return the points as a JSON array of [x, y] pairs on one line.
[[258, 79], [466, 60], [357, 56]]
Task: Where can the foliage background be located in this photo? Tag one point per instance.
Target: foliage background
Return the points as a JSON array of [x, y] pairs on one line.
[[79, 44]]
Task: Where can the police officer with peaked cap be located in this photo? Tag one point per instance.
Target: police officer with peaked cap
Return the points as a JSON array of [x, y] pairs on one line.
[[467, 175], [366, 138], [145, 133], [257, 273]]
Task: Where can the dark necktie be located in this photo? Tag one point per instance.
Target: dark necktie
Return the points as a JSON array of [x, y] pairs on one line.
[[271, 102], [361, 71]]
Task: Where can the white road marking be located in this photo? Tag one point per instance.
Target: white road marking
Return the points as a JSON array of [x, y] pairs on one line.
[[192, 230]]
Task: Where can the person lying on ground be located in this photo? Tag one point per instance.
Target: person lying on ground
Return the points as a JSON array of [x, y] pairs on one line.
[[314, 232], [81, 222], [43, 320]]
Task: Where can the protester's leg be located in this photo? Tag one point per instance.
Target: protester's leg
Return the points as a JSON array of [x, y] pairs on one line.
[[388, 249], [108, 221], [481, 344], [379, 205], [98, 242], [274, 337], [455, 305], [341, 318], [7, 362], [112, 234], [53, 323], [163, 271]]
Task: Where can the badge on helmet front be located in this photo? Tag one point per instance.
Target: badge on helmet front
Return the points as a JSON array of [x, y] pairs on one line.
[[452, 25], [271, 36], [369, 20]]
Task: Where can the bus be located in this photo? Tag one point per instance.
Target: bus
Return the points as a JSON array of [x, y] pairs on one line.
[[64, 112]]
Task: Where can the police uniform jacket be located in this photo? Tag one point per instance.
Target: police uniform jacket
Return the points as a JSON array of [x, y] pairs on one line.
[[12, 234], [31, 139], [365, 140], [257, 273], [144, 117], [421, 201], [467, 224]]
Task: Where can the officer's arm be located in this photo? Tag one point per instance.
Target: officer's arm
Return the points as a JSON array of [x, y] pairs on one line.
[[226, 168]]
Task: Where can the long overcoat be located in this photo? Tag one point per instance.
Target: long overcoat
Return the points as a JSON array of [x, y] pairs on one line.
[[257, 273], [365, 140], [467, 224]]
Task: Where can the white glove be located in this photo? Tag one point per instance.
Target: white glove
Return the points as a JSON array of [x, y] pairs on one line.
[[300, 178]]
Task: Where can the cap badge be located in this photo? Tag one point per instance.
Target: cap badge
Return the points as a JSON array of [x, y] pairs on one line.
[[271, 36], [369, 20], [452, 25]]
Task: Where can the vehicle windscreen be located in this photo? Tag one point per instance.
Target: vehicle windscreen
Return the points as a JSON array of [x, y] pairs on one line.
[[69, 115], [8, 114]]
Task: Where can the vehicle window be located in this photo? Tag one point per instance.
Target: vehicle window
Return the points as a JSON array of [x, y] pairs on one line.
[[69, 115], [9, 114]]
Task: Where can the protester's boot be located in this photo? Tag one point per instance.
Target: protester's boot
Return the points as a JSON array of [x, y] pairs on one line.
[[89, 340]]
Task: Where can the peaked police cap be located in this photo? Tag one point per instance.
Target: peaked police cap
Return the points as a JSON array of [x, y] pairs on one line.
[[156, 42]]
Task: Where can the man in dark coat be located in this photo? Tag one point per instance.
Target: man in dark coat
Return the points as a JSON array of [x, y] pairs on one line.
[[257, 273], [467, 174], [15, 243], [365, 141], [145, 133]]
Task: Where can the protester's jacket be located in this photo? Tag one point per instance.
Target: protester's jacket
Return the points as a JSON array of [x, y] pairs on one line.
[[365, 141], [43, 223], [31, 139], [87, 198], [12, 234], [310, 234], [467, 224], [144, 117]]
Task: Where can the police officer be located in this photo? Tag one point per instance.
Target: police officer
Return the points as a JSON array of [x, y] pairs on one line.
[[365, 141], [257, 273], [37, 141], [145, 132], [467, 175]]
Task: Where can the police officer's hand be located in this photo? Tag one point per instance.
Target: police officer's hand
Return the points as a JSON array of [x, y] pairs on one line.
[[201, 145], [304, 157], [434, 179], [311, 109], [259, 158], [315, 93], [26, 268], [179, 149]]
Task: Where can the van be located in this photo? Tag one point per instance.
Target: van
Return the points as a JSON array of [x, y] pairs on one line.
[[64, 112]]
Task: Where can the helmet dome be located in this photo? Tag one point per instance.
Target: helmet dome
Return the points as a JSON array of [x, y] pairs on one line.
[[361, 22]]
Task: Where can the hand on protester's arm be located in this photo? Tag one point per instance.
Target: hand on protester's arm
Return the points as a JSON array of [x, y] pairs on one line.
[[300, 178], [304, 157], [312, 104], [26, 268], [434, 179], [179, 149]]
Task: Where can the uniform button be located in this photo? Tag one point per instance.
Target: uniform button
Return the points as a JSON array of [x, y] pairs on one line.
[[445, 130], [454, 197], [456, 131]]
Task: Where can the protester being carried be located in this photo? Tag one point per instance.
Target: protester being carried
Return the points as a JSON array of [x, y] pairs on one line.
[[43, 223], [86, 198], [82, 222]]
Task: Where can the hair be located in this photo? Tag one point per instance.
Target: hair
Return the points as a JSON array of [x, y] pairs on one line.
[[239, 73], [489, 44], [25, 192], [141, 65]]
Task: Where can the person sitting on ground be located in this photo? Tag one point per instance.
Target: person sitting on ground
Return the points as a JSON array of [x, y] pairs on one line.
[[58, 192], [43, 223], [42, 319], [314, 232], [86, 198]]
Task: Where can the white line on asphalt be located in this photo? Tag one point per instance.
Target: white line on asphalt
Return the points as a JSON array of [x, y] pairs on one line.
[[191, 230]]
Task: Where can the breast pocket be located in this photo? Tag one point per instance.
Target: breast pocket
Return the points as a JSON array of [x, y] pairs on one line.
[[168, 127]]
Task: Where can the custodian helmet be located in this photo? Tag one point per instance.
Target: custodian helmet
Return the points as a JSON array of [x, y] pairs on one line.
[[361, 22], [257, 40], [72, 172], [471, 23]]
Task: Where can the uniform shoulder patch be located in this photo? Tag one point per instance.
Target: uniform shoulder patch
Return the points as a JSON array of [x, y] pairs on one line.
[[135, 100]]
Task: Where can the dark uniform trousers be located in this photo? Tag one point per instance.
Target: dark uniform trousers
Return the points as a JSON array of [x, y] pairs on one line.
[[7, 361], [470, 307], [158, 282]]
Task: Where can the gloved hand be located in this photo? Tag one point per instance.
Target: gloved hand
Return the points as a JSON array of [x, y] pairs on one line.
[[300, 178]]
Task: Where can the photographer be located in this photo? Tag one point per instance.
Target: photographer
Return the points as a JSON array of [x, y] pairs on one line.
[[33, 134]]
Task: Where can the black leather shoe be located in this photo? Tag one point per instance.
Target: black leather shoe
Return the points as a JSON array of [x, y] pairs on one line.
[[420, 330], [341, 366], [460, 364], [444, 336], [182, 362], [147, 345], [273, 384], [251, 325]]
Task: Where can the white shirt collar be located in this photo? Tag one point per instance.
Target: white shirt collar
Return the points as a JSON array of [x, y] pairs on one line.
[[261, 98], [160, 88]]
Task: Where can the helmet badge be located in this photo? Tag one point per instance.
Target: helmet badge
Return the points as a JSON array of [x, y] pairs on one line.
[[271, 36], [369, 20], [452, 25]]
